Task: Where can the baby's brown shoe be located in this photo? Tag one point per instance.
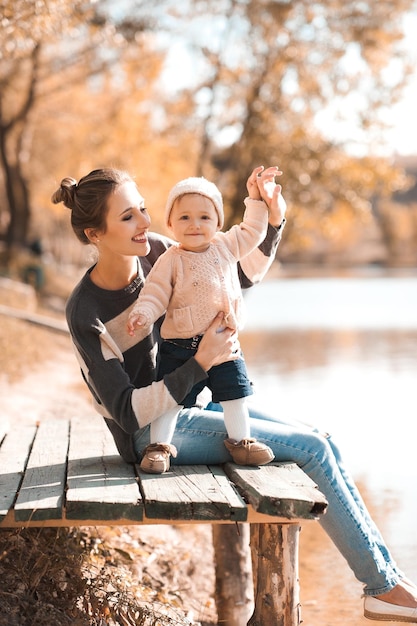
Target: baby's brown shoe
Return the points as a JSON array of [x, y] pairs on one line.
[[249, 452]]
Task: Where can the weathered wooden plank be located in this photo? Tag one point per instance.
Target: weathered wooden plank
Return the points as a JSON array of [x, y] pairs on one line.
[[100, 484], [14, 453], [280, 489], [238, 507], [191, 492], [41, 495]]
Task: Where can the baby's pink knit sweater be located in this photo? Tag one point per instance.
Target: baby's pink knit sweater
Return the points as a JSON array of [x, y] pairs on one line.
[[192, 287]]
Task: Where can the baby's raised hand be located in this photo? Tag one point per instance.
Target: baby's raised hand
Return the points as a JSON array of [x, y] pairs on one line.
[[261, 184], [270, 192], [252, 183]]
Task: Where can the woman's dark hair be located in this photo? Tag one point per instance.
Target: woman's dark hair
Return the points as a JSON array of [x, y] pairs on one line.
[[87, 199]]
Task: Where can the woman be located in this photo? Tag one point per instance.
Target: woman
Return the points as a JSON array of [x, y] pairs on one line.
[[108, 211]]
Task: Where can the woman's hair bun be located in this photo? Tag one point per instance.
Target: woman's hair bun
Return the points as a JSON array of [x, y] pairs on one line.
[[65, 192]]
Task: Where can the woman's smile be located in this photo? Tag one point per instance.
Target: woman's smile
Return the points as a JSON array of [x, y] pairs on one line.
[[140, 238]]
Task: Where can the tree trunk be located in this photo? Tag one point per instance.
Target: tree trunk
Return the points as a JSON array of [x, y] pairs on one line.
[[234, 588], [18, 228], [275, 564], [12, 131]]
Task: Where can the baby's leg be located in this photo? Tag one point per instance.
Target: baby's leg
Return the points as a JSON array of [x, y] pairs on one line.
[[162, 429], [243, 449], [236, 418], [156, 456]]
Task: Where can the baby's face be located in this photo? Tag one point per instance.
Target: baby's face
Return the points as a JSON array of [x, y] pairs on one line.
[[194, 221]]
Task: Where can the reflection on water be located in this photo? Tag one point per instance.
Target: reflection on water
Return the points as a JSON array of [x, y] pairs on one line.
[[357, 382]]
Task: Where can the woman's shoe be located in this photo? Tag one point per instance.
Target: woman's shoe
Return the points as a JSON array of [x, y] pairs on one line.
[[249, 452], [386, 612], [156, 456]]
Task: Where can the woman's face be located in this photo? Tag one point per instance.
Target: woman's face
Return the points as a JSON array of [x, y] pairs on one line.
[[127, 223]]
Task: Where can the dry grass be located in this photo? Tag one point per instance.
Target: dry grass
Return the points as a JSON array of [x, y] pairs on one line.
[[76, 577]]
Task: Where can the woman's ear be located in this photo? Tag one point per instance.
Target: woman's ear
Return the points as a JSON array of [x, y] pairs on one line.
[[92, 235]]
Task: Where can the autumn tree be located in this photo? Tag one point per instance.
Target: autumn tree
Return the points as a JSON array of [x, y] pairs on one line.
[[209, 87], [270, 76], [43, 76], [25, 26]]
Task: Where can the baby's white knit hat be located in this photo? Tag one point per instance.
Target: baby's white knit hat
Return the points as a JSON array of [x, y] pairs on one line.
[[196, 185]]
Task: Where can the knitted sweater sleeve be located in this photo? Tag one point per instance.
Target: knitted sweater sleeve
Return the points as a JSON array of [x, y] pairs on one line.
[[253, 267], [243, 238], [114, 395], [120, 370], [156, 293]]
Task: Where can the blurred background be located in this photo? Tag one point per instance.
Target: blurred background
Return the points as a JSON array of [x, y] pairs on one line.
[[327, 91]]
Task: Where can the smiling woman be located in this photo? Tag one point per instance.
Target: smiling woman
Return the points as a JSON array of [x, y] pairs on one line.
[[108, 227], [108, 211]]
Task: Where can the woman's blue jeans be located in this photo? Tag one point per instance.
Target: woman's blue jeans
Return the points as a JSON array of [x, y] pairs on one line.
[[199, 437]]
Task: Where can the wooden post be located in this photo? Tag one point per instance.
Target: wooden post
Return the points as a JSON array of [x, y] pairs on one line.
[[275, 572], [234, 588]]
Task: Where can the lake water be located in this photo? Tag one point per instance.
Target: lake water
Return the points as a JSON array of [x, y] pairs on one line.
[[342, 353]]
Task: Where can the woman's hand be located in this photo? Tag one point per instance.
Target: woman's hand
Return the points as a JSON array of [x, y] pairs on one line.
[[277, 207], [270, 192], [219, 344], [261, 185]]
